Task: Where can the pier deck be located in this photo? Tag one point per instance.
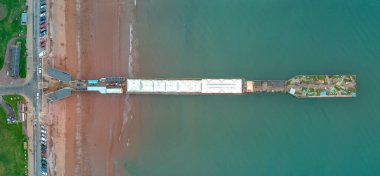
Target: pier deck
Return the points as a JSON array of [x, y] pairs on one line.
[[302, 86], [266, 86]]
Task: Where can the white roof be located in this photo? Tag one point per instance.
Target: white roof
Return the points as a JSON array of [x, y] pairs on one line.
[[164, 86], [222, 86], [114, 90], [205, 86], [292, 91], [102, 90]]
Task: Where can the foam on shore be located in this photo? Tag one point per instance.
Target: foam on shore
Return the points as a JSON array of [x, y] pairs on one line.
[[130, 59]]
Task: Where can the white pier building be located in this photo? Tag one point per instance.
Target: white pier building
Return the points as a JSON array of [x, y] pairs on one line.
[[184, 86]]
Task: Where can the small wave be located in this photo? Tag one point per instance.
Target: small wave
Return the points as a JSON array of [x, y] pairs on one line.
[[131, 52], [78, 11], [125, 116], [131, 59], [78, 135]]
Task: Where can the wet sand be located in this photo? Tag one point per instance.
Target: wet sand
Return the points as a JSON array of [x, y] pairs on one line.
[[91, 42]]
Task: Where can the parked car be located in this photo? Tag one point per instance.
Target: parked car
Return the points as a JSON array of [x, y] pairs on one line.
[[42, 22], [43, 11], [43, 6], [43, 3], [43, 154], [43, 169], [43, 45], [42, 53], [43, 18], [42, 14], [42, 34], [43, 26]]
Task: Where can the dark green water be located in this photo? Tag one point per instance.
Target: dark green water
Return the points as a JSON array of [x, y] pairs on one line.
[[258, 134]]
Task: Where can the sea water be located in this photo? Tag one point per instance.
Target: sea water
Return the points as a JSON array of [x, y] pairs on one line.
[[257, 134]]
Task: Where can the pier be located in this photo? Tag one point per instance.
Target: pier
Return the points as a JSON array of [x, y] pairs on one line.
[[59, 85]]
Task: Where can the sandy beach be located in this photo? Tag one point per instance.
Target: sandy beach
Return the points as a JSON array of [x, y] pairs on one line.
[[89, 40]]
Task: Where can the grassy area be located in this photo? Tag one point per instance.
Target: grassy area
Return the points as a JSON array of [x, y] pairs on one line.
[[22, 57], [12, 100], [10, 24], [12, 153]]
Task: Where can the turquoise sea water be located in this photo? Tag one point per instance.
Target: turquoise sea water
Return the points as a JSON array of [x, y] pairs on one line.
[[258, 134]]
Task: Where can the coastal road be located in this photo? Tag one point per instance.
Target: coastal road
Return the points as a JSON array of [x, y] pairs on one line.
[[37, 92]]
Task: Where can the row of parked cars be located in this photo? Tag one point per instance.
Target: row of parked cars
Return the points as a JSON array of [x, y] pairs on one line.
[[44, 150], [43, 30]]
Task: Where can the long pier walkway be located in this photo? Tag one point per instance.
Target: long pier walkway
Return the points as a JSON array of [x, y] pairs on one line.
[[59, 85]]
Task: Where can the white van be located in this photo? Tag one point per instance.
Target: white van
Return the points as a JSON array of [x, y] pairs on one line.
[[42, 53]]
